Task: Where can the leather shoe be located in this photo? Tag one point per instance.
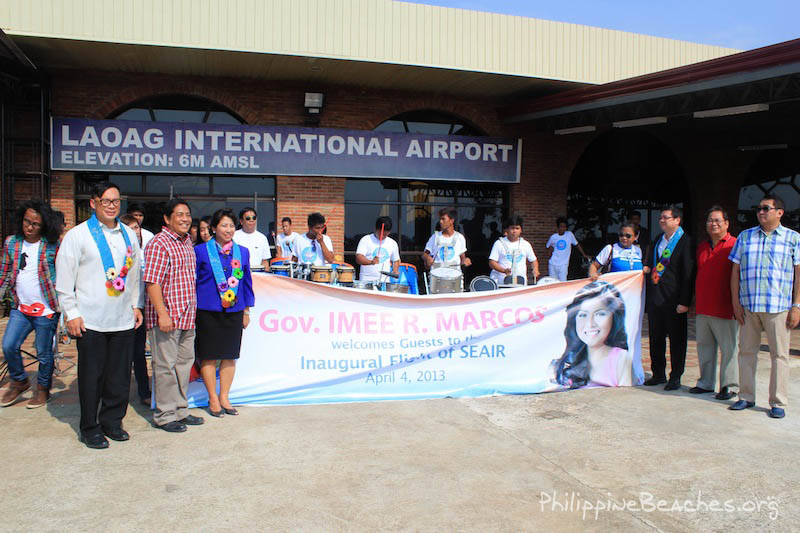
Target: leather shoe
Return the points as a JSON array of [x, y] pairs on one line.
[[776, 412], [655, 381], [741, 404], [724, 394], [117, 434], [699, 390], [230, 411], [174, 427], [192, 420], [672, 385], [95, 441]]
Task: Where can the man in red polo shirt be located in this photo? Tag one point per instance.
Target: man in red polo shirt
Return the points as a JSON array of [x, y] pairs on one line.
[[716, 326]]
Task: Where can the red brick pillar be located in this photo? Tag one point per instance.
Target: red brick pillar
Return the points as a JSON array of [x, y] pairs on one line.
[[299, 196], [62, 195]]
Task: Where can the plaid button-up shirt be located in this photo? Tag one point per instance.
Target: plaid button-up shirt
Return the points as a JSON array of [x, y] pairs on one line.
[[9, 268], [766, 268], [170, 262]]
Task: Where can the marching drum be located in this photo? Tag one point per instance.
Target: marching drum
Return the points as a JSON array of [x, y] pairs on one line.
[[363, 284], [482, 283], [395, 287], [281, 270], [321, 274], [446, 280]]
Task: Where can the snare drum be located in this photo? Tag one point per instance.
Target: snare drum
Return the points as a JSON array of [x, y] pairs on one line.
[[482, 283], [395, 287], [345, 273], [321, 274], [363, 284], [446, 280], [280, 270]]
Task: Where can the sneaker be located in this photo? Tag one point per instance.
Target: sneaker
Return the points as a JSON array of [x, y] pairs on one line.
[[15, 388], [40, 397]]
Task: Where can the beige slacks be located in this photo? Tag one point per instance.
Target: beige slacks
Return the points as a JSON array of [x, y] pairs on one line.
[[713, 334], [778, 336], [173, 357]]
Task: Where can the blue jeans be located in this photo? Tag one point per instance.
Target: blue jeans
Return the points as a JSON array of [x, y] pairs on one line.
[[17, 330]]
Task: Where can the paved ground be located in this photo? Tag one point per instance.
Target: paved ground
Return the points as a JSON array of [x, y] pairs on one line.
[[512, 463]]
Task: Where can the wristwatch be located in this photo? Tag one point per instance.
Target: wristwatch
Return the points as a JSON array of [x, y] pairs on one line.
[[796, 305]]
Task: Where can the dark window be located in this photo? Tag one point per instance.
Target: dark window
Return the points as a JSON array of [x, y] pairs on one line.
[[430, 122], [178, 108], [776, 172]]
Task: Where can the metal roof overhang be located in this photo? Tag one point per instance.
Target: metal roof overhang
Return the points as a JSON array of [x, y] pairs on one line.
[[51, 53], [766, 63]]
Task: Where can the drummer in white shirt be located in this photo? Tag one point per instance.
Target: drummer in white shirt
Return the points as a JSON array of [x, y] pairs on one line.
[[314, 247], [447, 248], [511, 255], [252, 239], [284, 242], [377, 252]]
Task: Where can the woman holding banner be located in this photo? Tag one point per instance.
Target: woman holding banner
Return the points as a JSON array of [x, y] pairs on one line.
[[619, 257], [224, 298], [597, 344]]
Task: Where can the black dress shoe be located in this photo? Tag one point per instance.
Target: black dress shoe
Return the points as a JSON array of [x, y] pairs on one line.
[[174, 427], [672, 385], [96, 441], [724, 394], [117, 434], [699, 390], [192, 420], [655, 381]]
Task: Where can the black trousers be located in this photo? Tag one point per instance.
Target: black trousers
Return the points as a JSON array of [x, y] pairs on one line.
[[665, 323], [140, 363], [104, 378]]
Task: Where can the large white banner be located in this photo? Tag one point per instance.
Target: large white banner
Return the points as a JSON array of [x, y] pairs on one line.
[[315, 343]]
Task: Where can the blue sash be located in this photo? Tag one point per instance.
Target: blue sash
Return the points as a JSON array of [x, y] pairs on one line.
[[112, 274], [227, 288], [666, 255]]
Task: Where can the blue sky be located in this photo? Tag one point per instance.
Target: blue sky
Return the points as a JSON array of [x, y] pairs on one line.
[[743, 24]]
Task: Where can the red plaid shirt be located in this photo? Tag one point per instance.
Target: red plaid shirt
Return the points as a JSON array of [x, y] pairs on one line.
[[169, 261]]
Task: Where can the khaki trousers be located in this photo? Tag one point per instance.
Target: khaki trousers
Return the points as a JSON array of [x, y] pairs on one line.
[[173, 357], [778, 336], [713, 334]]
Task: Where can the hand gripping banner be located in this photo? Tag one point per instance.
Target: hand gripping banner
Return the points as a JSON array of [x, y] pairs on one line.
[[316, 343]]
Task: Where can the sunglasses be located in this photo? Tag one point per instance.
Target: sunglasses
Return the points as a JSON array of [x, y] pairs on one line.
[[253, 217], [23, 260], [626, 235], [765, 208]]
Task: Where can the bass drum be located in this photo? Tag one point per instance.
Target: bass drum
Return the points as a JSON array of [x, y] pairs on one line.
[[446, 280], [482, 283]]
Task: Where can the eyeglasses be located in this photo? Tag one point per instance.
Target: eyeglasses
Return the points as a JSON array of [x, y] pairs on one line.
[[31, 223], [626, 235], [665, 218], [23, 260], [715, 221], [105, 202], [313, 246], [253, 217], [765, 208]]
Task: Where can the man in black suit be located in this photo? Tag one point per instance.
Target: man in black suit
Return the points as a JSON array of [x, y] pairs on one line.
[[669, 265]]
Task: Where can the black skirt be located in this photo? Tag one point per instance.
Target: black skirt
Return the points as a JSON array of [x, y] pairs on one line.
[[218, 335]]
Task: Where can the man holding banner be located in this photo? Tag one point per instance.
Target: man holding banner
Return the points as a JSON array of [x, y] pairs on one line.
[[670, 266]]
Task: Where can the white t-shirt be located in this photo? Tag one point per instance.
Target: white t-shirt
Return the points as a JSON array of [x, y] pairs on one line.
[[446, 250], [256, 243], [309, 251], [28, 289], [505, 252], [562, 247], [147, 235], [285, 243], [368, 247]]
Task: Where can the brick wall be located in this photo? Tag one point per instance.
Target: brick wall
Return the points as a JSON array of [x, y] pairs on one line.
[[298, 196]]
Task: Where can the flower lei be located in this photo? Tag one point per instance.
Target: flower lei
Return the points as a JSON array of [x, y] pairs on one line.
[[227, 288], [115, 280]]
